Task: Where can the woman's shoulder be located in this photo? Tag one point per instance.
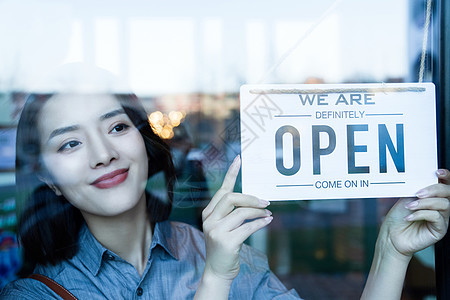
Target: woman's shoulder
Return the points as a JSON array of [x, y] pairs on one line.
[[27, 288], [64, 273], [184, 229], [178, 234], [181, 225], [254, 259]]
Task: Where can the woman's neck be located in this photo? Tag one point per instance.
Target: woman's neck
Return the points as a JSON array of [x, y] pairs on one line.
[[129, 235]]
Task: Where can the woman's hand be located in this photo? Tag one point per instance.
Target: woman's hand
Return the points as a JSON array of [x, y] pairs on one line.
[[415, 224], [411, 225], [225, 228]]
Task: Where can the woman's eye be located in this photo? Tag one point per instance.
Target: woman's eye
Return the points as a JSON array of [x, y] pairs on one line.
[[119, 127], [69, 145]]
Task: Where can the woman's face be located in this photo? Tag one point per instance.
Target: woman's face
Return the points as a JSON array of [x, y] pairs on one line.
[[94, 154]]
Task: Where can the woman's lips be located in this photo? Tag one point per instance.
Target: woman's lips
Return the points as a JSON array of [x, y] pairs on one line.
[[111, 179]]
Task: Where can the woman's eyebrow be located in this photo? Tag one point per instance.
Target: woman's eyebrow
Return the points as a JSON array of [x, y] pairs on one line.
[[63, 130], [66, 129], [112, 114]]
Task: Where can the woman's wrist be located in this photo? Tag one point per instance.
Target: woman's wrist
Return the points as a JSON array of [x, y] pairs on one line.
[[388, 270], [213, 285], [386, 249]]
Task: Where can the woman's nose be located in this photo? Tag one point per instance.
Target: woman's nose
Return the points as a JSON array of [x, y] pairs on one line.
[[101, 151]]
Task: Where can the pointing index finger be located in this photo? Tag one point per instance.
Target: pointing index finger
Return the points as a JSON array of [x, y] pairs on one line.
[[230, 177], [227, 187]]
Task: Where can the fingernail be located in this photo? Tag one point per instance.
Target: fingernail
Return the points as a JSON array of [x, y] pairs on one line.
[[264, 203], [440, 172], [421, 194], [409, 217], [268, 219], [412, 204], [236, 162], [268, 212]]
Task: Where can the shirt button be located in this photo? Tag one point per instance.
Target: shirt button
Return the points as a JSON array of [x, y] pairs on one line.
[[109, 257], [139, 291]]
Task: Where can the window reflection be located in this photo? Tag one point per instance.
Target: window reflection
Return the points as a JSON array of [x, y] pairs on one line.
[[187, 61]]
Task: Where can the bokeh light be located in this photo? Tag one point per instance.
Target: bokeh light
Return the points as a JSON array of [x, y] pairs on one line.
[[163, 124]]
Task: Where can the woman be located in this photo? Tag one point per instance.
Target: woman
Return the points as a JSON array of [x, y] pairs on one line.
[[91, 226]]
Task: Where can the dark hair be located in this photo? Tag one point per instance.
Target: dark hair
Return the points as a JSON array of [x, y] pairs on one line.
[[49, 225]]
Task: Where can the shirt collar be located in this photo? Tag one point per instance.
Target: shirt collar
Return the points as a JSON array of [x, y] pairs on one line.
[[163, 236], [91, 251]]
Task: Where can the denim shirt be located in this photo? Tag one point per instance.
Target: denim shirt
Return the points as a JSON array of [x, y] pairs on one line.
[[174, 269]]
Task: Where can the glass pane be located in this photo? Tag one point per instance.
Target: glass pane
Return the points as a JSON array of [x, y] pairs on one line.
[[186, 61]]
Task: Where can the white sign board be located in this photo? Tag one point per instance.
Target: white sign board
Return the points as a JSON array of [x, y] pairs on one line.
[[337, 141]]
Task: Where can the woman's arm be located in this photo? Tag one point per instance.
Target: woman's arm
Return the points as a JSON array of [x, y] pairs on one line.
[[410, 226], [225, 230]]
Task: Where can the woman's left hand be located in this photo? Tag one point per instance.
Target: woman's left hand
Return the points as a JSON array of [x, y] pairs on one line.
[[410, 226], [415, 224]]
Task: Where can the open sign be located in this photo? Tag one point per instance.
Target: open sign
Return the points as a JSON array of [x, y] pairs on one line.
[[337, 141]]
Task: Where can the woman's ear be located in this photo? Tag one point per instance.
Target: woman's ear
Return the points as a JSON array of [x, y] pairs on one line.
[[50, 184]]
